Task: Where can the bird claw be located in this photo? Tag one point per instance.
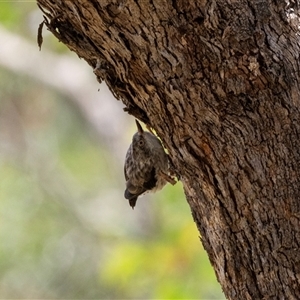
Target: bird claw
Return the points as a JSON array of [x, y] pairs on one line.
[[168, 178], [172, 171]]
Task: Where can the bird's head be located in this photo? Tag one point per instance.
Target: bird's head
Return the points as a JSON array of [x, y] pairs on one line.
[[144, 141]]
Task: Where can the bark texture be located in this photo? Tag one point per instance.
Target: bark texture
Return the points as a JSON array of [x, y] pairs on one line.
[[218, 80]]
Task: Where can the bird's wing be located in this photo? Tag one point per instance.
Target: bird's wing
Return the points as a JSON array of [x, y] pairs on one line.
[[132, 192], [148, 184], [150, 179], [127, 162], [125, 173]]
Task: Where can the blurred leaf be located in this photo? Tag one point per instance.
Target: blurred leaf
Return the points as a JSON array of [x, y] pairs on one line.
[[10, 13]]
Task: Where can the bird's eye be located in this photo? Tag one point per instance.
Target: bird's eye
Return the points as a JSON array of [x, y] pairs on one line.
[[141, 143]]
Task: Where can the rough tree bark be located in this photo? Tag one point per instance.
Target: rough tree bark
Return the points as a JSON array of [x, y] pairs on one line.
[[218, 80]]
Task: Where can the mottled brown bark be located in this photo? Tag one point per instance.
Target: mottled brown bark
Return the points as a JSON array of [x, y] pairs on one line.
[[219, 82]]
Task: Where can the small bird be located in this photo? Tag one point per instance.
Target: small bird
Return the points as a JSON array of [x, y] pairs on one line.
[[146, 165]]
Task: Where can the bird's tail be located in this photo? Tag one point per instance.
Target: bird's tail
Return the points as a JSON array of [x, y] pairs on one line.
[[131, 197], [132, 202]]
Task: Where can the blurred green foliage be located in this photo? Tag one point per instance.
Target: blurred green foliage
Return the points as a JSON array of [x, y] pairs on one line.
[[65, 229], [12, 14], [23, 17], [170, 264]]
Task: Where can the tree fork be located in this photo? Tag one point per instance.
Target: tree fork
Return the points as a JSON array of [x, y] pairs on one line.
[[219, 83]]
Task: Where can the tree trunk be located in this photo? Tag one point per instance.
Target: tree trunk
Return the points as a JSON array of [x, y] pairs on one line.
[[218, 80]]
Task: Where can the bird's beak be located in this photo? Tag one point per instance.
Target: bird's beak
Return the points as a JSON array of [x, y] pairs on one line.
[[139, 127]]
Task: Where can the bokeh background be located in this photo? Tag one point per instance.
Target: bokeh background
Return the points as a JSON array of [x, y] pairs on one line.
[[66, 231]]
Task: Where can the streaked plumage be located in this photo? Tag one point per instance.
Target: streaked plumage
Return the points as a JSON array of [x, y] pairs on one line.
[[146, 165]]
